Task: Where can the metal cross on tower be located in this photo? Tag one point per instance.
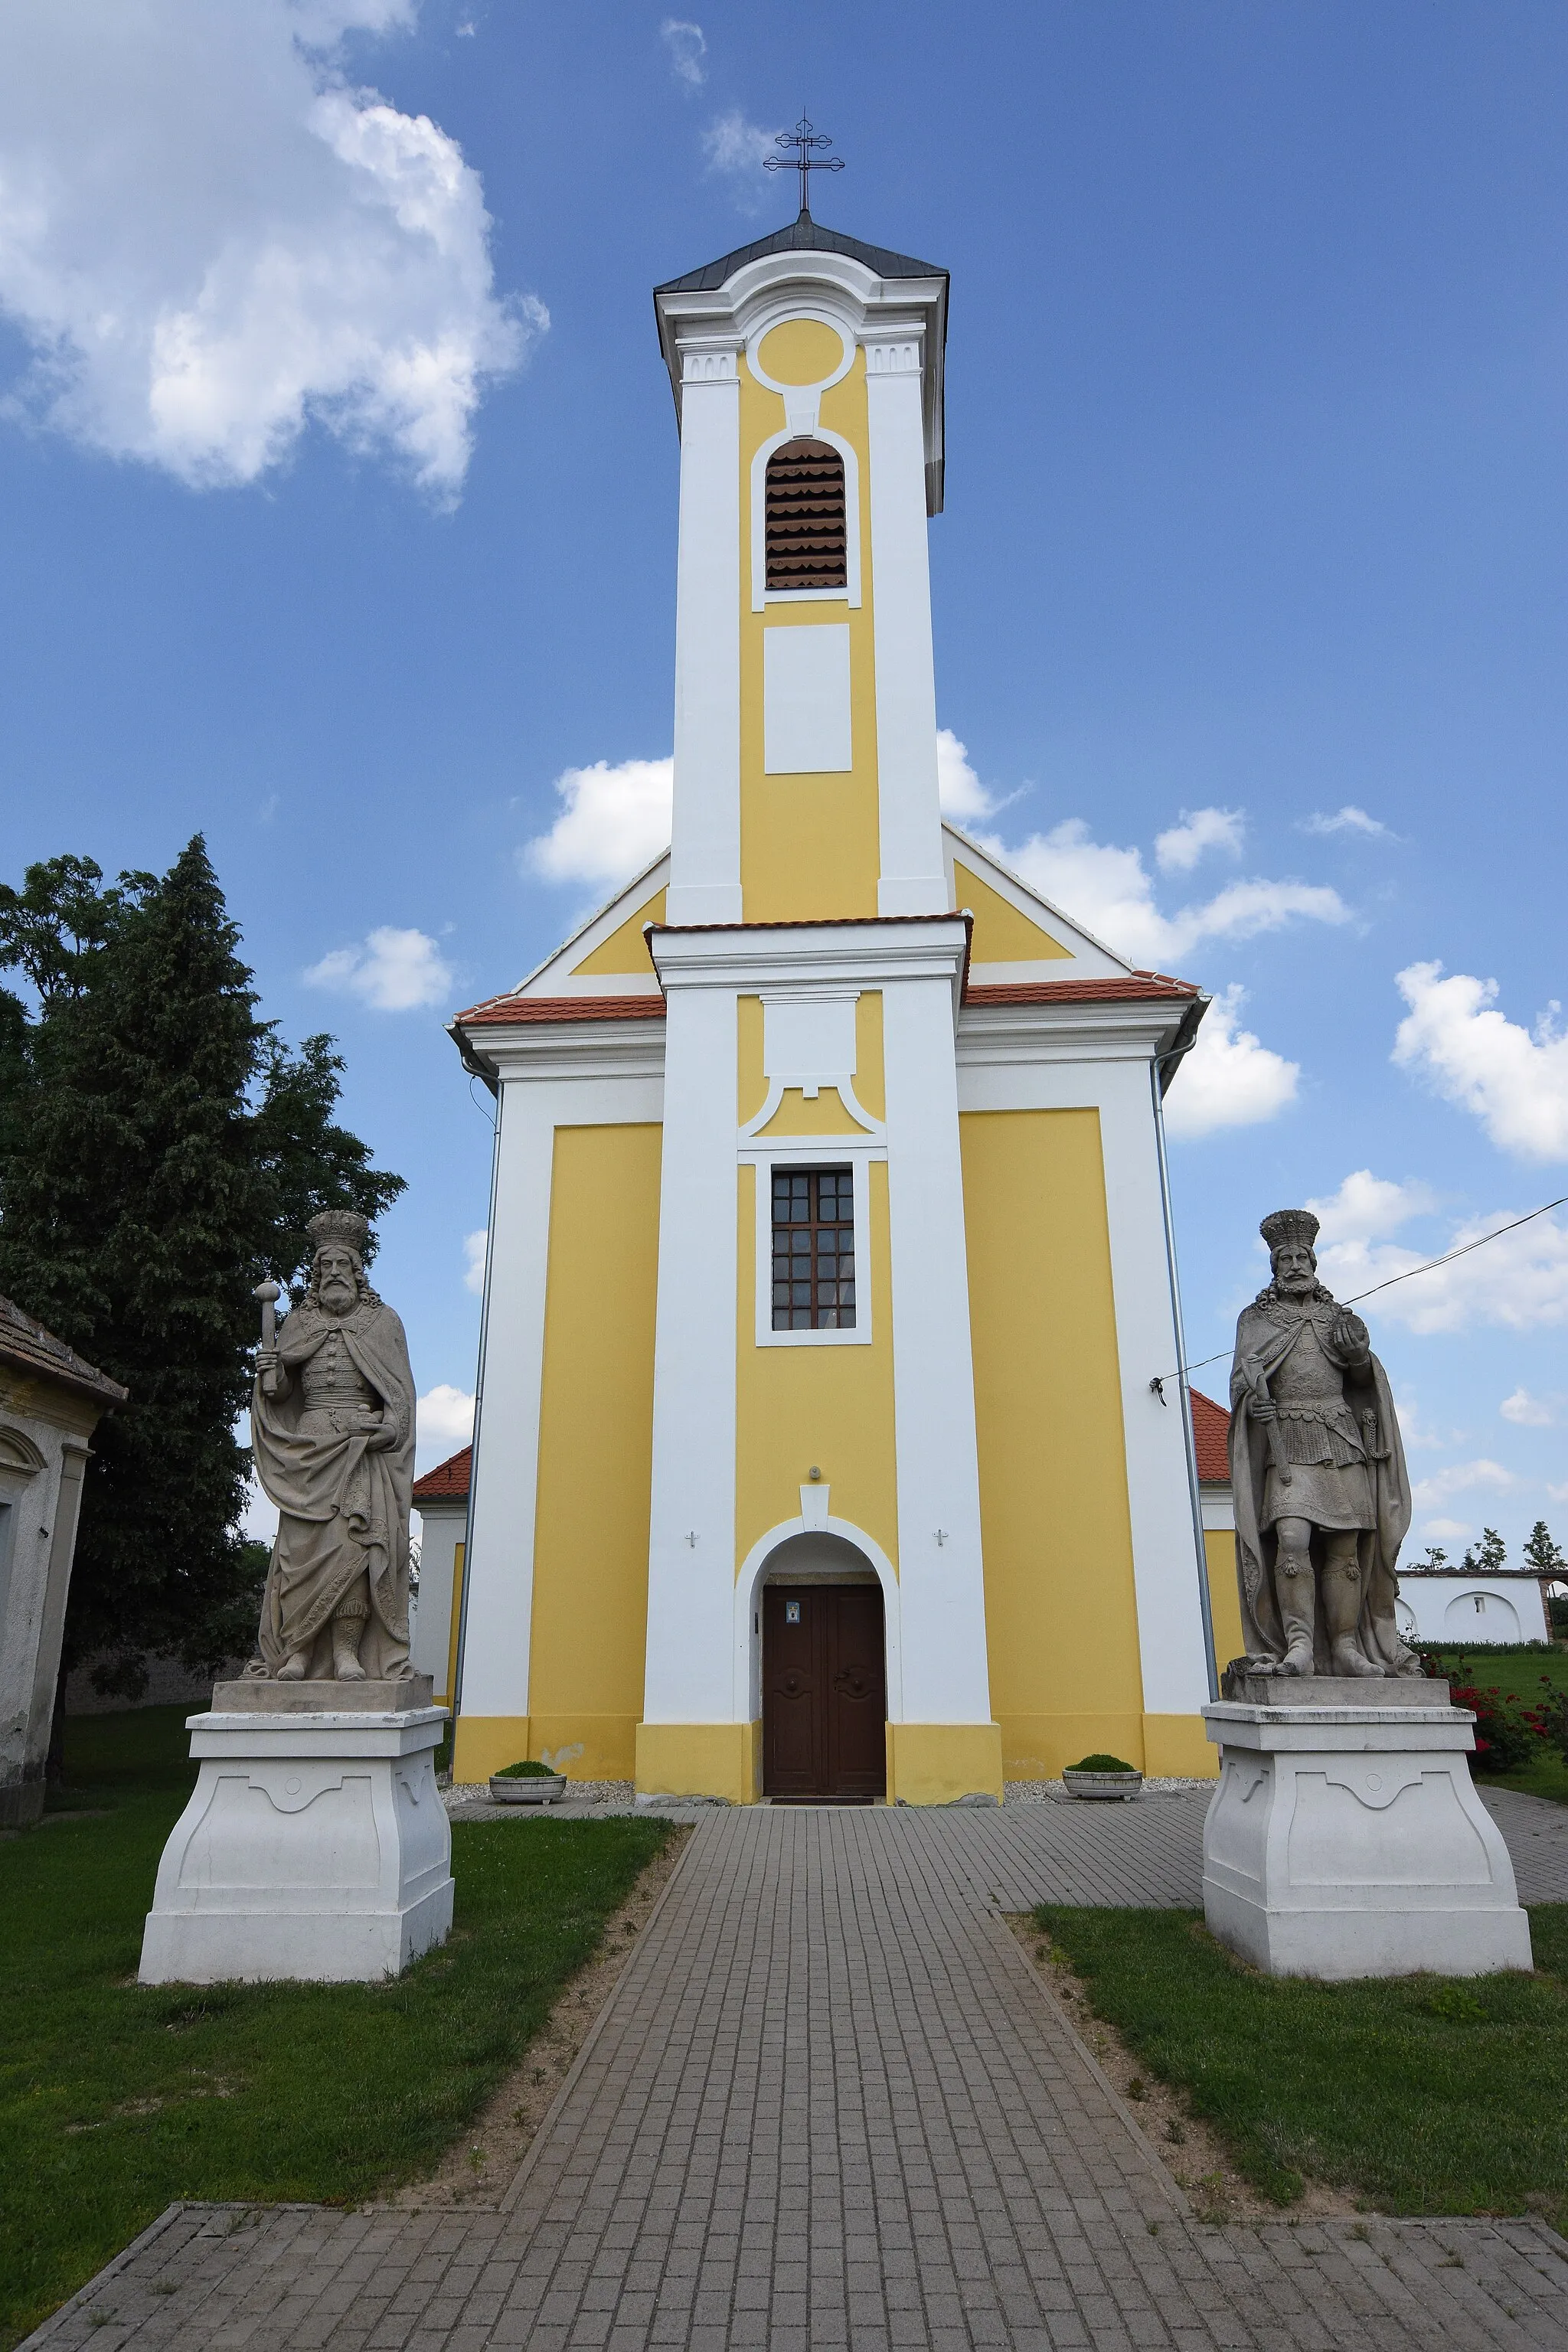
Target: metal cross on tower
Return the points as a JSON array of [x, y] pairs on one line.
[[804, 138]]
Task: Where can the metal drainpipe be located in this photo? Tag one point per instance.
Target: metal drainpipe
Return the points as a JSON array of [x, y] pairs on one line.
[[1189, 1437], [457, 1691]]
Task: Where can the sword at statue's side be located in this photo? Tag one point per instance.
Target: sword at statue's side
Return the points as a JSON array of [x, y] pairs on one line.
[[1272, 1436]]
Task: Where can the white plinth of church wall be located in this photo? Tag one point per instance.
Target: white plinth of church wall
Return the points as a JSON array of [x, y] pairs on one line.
[[691, 1544], [315, 1846], [1097, 1057], [1348, 1840], [913, 879], [946, 1674], [705, 860]]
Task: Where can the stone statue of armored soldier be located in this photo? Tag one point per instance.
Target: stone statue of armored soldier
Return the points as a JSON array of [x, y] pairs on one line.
[[332, 1429], [1322, 1493]]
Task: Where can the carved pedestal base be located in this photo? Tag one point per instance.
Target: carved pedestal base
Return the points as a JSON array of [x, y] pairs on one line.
[[316, 1845], [1346, 1838]]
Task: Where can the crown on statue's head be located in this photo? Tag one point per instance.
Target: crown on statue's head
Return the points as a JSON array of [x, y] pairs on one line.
[[345, 1226], [1290, 1227]]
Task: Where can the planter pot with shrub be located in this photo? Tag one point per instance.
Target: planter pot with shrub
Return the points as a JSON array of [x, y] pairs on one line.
[[529, 1783], [1102, 1777]]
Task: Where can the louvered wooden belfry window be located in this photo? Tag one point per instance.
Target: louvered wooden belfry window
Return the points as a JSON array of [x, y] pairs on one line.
[[805, 531]]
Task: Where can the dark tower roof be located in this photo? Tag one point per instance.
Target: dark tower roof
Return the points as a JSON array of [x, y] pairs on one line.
[[804, 235]]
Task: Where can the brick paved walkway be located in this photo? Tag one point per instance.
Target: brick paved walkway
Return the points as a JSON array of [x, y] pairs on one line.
[[830, 2104]]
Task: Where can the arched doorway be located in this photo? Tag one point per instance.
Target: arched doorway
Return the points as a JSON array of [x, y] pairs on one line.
[[823, 1676]]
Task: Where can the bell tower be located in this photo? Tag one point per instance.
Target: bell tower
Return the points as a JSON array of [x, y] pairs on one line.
[[807, 377]]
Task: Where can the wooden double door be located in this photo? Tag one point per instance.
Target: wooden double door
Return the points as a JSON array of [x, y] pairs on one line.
[[825, 1693]]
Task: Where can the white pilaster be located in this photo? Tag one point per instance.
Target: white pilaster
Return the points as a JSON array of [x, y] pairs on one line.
[[705, 866], [940, 1574], [691, 1547], [912, 878]]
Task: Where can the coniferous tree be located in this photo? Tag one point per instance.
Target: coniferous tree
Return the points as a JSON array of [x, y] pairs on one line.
[[160, 1154]]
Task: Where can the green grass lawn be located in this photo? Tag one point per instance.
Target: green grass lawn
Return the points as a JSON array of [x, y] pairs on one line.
[[114, 2100], [1422, 2095], [1520, 1674]]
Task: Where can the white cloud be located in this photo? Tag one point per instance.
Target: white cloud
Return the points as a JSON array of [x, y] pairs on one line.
[[1526, 1411], [737, 149], [1460, 1478], [1229, 1079], [394, 972], [1179, 850], [1558, 1494], [210, 239], [686, 48], [445, 1421], [474, 1247], [1349, 819], [1367, 1207], [1515, 1081], [1112, 893], [959, 789], [613, 820], [1520, 1280], [1448, 1530]]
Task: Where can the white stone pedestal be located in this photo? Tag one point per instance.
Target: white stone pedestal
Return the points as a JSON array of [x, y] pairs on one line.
[[1346, 1838], [315, 1846]]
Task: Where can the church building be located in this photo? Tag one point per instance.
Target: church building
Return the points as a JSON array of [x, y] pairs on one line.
[[818, 1453]]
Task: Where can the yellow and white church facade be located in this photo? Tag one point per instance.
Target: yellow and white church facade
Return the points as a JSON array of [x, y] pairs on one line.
[[829, 1266]]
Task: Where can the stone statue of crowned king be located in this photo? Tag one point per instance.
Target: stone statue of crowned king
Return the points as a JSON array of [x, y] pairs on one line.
[[1322, 1494]]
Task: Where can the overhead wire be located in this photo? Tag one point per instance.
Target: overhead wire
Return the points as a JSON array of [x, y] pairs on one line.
[[1157, 1385]]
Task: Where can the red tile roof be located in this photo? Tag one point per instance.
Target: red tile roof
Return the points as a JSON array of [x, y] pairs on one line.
[[28, 1345], [1211, 1432], [496, 1010], [1138, 987], [448, 1482]]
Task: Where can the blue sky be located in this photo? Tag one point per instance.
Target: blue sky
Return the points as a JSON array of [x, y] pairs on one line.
[[338, 470]]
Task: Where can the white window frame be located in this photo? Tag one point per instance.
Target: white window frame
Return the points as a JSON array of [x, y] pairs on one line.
[[814, 1152], [761, 596]]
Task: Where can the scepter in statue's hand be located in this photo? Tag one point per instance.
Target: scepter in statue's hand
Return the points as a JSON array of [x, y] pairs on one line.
[[267, 1354]]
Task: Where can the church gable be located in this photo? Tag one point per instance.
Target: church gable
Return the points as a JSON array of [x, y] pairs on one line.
[[1018, 935], [608, 956]]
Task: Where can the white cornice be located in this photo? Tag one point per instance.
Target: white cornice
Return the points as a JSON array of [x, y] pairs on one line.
[[902, 320], [749, 957], [1120, 1030], [564, 1049]]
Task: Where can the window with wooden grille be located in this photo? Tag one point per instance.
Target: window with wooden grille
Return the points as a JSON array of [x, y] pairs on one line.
[[814, 1249], [805, 524]]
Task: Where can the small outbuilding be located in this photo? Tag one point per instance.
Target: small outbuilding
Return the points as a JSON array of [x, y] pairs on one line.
[[51, 1401], [441, 1500]]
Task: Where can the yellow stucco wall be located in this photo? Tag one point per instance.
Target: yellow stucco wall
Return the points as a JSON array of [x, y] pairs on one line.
[[1224, 1601], [810, 845], [626, 949], [595, 1445], [832, 1406], [1061, 1618], [1002, 935]]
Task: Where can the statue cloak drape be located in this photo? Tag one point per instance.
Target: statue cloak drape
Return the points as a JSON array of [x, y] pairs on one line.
[[343, 1506]]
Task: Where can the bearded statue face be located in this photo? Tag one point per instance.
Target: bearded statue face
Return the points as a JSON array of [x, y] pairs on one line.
[[336, 1279], [1295, 1270]]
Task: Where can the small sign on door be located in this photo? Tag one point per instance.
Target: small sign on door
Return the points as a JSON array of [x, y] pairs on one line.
[[792, 1612]]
